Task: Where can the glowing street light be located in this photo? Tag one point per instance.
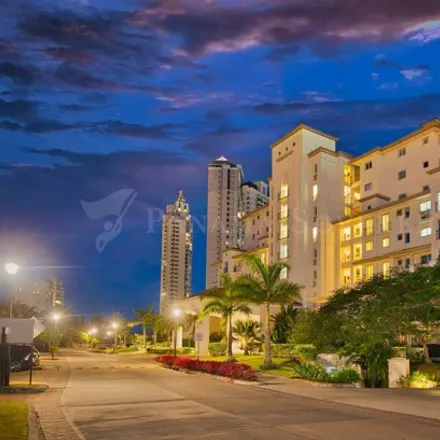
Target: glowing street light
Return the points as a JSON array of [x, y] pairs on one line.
[[11, 268], [177, 312], [56, 317], [93, 331]]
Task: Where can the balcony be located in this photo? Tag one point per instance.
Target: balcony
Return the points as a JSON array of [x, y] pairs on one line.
[[283, 215], [282, 195], [425, 215]]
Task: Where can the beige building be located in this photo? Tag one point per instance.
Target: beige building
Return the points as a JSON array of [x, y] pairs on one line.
[[42, 295], [337, 219], [176, 271], [223, 228], [254, 195]]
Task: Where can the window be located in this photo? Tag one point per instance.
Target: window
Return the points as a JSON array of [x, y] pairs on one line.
[[407, 212], [284, 212], [386, 268], [385, 222], [402, 175], [369, 272], [407, 237], [346, 255], [369, 245], [358, 273], [386, 242], [425, 210], [407, 263], [357, 230], [426, 188], [284, 253], [284, 231], [314, 192], [357, 250], [368, 187], [369, 227], [399, 212], [316, 168], [425, 140], [425, 232], [347, 276], [401, 152], [402, 196], [315, 234], [347, 233], [425, 259], [399, 237], [369, 165], [284, 191], [425, 164], [283, 273]]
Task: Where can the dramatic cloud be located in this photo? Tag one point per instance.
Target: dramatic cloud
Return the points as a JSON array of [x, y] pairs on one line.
[[409, 73], [425, 33]]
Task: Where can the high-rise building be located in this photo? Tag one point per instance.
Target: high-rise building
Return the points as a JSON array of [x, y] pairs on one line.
[[42, 295], [223, 228], [254, 195], [176, 253]]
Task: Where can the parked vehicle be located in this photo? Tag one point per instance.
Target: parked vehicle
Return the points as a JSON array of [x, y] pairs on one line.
[[23, 356]]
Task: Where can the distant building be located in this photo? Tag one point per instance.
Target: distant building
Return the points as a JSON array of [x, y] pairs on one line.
[[42, 295], [176, 270], [254, 196], [223, 229]]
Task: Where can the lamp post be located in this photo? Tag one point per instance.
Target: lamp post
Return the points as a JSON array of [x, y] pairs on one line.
[[11, 269], [91, 333], [176, 315], [56, 316], [115, 325]]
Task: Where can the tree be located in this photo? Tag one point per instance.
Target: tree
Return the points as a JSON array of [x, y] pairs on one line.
[[248, 335], [264, 287], [145, 318], [283, 323], [189, 325], [226, 301]]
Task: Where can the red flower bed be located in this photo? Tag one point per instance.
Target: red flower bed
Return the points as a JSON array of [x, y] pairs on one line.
[[227, 369]]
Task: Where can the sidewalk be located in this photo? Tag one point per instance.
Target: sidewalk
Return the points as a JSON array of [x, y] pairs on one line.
[[419, 403]]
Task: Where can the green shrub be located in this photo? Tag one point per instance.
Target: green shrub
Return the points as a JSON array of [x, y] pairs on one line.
[[301, 352], [216, 337], [217, 348], [282, 350], [417, 379], [344, 375]]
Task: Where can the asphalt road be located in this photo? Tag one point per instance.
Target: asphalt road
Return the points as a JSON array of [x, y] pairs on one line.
[[122, 397]]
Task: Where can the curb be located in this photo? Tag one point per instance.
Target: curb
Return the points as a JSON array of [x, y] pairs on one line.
[[24, 390], [34, 429]]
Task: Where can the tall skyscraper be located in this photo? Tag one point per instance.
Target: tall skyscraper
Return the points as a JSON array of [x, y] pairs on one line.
[[42, 295], [224, 229], [176, 253]]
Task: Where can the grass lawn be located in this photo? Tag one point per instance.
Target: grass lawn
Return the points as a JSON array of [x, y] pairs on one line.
[[255, 362], [13, 421]]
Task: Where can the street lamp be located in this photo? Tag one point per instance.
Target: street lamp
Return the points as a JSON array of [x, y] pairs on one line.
[[91, 333], [176, 315], [11, 269], [115, 325]]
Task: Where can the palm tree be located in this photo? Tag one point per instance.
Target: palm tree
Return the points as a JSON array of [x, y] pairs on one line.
[[248, 334], [189, 324], [264, 286], [225, 301], [144, 318]]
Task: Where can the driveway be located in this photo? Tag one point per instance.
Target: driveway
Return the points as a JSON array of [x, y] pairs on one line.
[[129, 397]]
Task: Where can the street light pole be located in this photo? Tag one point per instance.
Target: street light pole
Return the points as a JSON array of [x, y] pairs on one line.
[[176, 314], [115, 326], [11, 269]]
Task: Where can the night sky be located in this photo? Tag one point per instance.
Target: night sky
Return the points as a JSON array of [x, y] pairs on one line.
[[102, 95]]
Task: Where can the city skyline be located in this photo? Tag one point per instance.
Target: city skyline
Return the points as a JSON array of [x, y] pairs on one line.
[[98, 96]]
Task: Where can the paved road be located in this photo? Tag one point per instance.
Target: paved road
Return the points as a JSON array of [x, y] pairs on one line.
[[104, 399]]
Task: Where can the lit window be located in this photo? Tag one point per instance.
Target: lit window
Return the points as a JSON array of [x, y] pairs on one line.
[[425, 206], [425, 232], [284, 251], [347, 255], [284, 211], [347, 276], [385, 242], [315, 234], [369, 227], [347, 233], [369, 245], [283, 273], [284, 191], [284, 231], [401, 152], [357, 230], [369, 272], [358, 273], [385, 222], [315, 192], [357, 250], [386, 268], [368, 186]]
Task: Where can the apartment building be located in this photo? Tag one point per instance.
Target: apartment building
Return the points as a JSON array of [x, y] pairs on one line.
[[41, 295], [223, 228], [337, 219], [176, 270], [254, 195]]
